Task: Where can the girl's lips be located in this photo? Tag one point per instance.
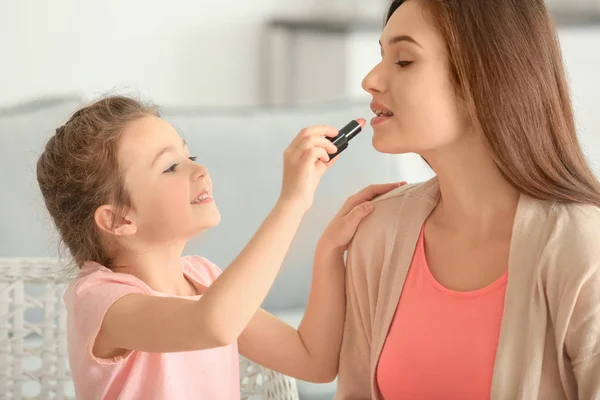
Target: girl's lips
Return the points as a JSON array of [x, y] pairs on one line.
[[203, 201], [203, 197]]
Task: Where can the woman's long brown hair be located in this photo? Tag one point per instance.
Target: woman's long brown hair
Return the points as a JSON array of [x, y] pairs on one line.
[[507, 68]]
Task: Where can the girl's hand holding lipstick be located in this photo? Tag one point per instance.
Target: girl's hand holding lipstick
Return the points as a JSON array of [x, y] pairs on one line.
[[304, 162]]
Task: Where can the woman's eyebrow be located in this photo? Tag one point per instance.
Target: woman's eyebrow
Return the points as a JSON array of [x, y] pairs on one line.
[[402, 38]]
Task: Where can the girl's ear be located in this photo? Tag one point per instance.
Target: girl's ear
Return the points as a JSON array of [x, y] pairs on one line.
[[107, 220]]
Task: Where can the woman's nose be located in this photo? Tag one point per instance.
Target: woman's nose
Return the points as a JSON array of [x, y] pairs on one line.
[[374, 82]]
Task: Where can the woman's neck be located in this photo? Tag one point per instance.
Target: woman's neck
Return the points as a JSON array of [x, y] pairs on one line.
[[475, 196]]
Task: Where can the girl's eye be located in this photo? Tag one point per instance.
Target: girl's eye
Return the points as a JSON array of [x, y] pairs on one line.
[[403, 64], [172, 168]]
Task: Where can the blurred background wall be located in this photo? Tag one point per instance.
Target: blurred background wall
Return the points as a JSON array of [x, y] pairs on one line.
[[186, 53]]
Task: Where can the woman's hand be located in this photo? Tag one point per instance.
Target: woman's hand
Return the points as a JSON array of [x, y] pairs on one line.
[[342, 227]]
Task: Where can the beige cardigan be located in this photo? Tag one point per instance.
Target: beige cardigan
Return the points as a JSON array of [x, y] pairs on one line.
[[549, 345]]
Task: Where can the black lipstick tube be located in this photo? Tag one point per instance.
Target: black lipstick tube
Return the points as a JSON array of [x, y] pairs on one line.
[[343, 138]]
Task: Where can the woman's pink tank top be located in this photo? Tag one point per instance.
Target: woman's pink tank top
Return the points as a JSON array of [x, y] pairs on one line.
[[441, 343]]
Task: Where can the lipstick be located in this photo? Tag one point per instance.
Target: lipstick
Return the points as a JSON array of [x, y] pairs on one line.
[[346, 134]]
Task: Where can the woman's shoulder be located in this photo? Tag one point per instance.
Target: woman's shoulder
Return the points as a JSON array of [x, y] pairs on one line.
[[581, 215], [576, 231], [427, 192], [570, 248], [408, 200], [398, 212], [567, 225]]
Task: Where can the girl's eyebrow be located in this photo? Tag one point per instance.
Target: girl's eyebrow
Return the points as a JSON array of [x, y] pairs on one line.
[[166, 150]]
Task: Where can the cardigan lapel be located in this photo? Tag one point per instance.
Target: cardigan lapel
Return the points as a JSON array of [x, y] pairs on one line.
[[399, 250], [519, 358]]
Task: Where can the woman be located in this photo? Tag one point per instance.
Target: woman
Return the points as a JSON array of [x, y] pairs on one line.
[[485, 281]]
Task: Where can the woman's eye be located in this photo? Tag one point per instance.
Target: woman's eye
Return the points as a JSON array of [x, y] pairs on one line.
[[193, 158], [403, 64], [172, 168]]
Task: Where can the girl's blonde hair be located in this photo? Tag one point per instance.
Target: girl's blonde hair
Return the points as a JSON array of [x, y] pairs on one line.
[[78, 172]]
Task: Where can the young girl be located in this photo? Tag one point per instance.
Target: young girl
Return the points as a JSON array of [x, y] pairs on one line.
[[126, 195]]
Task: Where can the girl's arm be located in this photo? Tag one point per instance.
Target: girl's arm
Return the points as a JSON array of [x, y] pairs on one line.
[[311, 352], [158, 324]]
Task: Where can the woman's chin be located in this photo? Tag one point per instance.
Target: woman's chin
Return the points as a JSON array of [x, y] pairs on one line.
[[390, 146]]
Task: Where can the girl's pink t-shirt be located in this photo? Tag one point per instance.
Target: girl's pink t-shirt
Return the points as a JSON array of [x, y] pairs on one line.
[[204, 374], [441, 344]]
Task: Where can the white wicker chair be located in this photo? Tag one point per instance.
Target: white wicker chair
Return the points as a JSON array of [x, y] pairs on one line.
[[33, 350]]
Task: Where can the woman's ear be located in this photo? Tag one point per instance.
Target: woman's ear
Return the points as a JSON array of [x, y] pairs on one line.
[[108, 221]]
